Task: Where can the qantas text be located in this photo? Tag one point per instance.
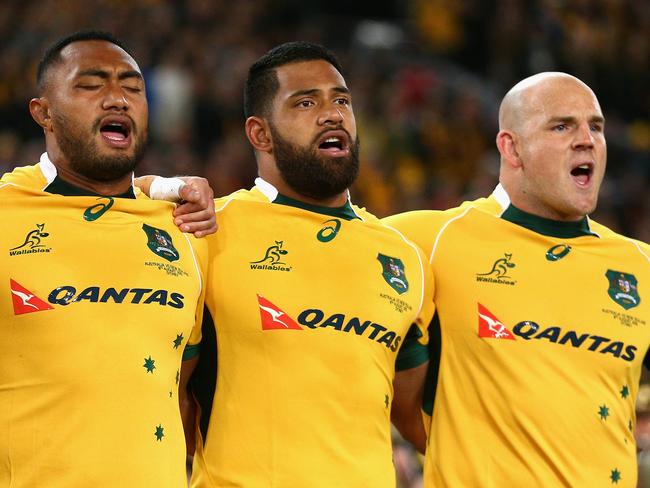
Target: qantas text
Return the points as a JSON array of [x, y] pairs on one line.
[[65, 295], [530, 330], [314, 318]]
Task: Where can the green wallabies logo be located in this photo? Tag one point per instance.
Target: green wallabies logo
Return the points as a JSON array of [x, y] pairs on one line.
[[273, 254]]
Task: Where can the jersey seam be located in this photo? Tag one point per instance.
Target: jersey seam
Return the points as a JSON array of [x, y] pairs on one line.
[[196, 265], [444, 227], [228, 200], [638, 248], [422, 274]]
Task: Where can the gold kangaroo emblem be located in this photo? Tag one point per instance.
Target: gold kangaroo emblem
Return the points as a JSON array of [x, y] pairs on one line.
[[273, 254], [500, 267], [33, 239]]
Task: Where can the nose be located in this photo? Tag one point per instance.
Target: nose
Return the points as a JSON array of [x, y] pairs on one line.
[[330, 115], [115, 99], [584, 138]]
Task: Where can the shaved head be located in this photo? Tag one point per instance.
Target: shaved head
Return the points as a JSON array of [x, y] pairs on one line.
[[552, 144], [527, 95]]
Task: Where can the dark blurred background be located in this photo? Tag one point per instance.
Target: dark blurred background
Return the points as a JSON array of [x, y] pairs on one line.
[[426, 76]]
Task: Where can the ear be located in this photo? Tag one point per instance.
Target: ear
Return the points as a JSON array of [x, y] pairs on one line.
[[40, 110], [259, 134], [507, 145]]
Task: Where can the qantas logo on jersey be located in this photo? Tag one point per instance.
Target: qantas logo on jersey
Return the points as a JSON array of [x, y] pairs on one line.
[[491, 327], [274, 318], [529, 330], [24, 301], [65, 295]]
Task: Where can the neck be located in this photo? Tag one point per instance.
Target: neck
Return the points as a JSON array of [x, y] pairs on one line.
[[520, 200], [103, 188], [273, 177]]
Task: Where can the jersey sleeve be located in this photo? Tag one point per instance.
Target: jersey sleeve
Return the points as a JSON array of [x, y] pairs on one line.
[[427, 309], [414, 350], [420, 227], [200, 249]]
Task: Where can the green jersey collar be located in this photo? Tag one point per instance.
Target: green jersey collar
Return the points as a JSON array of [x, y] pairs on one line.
[[541, 225], [345, 212], [61, 187]]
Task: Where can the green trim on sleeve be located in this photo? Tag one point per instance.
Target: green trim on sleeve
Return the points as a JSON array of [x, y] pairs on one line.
[[412, 353], [191, 351], [431, 381]]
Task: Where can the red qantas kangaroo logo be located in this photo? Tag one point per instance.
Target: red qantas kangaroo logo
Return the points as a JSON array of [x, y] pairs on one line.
[[273, 318], [491, 327], [25, 301]]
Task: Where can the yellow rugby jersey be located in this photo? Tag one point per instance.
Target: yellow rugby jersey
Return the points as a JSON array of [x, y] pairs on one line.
[[98, 299], [543, 329], [311, 307]]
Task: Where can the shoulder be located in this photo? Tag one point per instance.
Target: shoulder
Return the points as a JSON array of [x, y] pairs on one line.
[[243, 195], [638, 247], [25, 176], [428, 220], [364, 215], [424, 226]]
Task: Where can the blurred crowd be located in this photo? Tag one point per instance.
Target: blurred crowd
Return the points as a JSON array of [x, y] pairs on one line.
[[426, 76]]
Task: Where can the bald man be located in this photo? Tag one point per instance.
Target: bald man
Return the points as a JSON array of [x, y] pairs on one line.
[[542, 322]]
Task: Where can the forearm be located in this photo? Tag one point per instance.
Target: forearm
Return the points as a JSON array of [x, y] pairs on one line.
[[406, 410]]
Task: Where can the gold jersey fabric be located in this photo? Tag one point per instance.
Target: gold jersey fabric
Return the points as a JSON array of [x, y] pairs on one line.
[[543, 328], [98, 299], [310, 306]]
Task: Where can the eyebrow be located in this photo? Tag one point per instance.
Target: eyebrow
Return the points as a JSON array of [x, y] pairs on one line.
[[105, 74], [569, 119], [314, 91]]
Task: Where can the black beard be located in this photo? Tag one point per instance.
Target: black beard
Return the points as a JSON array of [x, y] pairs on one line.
[[311, 174], [84, 157]]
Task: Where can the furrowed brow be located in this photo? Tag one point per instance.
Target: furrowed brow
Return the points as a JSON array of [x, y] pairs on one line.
[[100, 73], [316, 91], [341, 89], [599, 119], [129, 74], [103, 74], [562, 120], [308, 92]]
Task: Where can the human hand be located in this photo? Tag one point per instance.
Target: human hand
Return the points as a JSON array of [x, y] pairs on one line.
[[195, 214]]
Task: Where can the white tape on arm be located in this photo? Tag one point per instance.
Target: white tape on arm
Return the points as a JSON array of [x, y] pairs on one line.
[[166, 189]]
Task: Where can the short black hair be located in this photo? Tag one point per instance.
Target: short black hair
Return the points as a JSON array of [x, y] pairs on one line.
[[262, 83], [53, 53]]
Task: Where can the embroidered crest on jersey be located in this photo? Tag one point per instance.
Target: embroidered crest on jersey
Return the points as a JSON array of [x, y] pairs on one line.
[[557, 252], [160, 242], [93, 212], [32, 243], [623, 289], [499, 271], [273, 258], [273, 318], [25, 301], [491, 327], [329, 232], [393, 273]]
